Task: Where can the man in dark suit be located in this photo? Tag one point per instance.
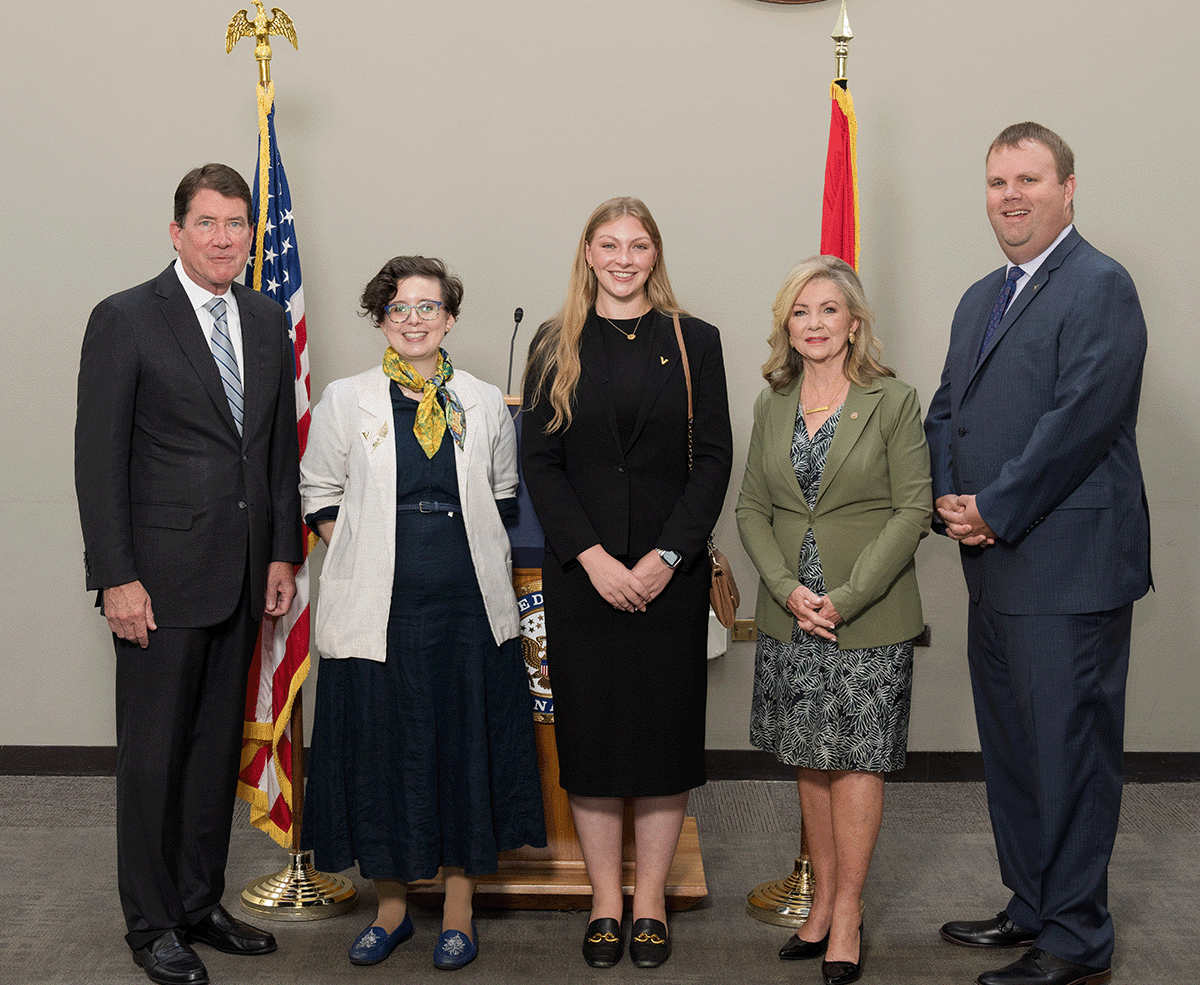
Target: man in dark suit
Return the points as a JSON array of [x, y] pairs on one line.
[[1036, 475], [186, 471]]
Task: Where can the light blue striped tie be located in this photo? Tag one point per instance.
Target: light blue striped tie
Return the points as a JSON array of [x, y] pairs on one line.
[[222, 350]]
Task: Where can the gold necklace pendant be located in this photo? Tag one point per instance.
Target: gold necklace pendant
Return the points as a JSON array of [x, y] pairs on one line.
[[629, 335], [817, 410]]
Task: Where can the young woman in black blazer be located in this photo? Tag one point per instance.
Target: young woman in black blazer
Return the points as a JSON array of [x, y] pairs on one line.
[[627, 517]]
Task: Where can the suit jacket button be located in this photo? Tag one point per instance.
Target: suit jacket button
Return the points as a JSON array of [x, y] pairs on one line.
[[962, 432]]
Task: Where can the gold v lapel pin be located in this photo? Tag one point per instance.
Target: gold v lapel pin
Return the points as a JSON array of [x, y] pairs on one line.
[[382, 433]]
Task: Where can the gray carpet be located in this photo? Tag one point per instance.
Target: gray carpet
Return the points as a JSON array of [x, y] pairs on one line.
[[935, 862]]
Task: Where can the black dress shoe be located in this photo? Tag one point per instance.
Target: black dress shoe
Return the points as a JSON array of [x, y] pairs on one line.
[[169, 961], [1038, 967], [1000, 931], [841, 972], [797, 948], [648, 945], [230, 935], [602, 947]]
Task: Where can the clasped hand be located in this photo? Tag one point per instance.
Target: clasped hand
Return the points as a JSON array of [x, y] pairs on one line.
[[627, 589], [963, 522], [815, 613]]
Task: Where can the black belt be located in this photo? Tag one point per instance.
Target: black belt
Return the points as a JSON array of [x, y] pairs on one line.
[[425, 507]]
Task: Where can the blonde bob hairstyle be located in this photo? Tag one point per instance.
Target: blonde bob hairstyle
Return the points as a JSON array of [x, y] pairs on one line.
[[862, 363], [553, 367]]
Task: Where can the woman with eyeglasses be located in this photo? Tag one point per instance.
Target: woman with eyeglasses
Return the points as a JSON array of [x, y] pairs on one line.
[[422, 751], [627, 499]]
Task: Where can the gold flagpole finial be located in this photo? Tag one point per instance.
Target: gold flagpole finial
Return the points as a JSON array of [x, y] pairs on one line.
[[842, 35], [240, 26]]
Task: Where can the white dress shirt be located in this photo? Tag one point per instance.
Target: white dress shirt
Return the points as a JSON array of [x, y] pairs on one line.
[[199, 298]]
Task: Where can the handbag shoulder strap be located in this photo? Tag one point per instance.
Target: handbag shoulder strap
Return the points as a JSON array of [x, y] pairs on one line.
[[687, 378], [687, 372]]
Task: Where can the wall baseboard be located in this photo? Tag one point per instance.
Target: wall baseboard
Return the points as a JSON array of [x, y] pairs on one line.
[[721, 764], [942, 767]]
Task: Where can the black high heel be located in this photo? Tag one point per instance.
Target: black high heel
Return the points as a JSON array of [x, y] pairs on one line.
[[797, 948], [843, 972]]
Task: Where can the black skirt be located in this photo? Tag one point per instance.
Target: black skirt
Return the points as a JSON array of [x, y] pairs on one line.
[[629, 687]]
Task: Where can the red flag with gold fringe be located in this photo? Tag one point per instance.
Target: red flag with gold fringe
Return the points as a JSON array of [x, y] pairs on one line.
[[839, 212]]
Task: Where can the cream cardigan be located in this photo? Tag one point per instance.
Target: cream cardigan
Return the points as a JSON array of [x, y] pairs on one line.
[[350, 462]]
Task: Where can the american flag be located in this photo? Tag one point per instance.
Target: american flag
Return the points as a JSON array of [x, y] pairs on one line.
[[281, 659]]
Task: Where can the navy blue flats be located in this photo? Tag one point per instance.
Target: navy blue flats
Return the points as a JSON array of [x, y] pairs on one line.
[[454, 950], [374, 944]]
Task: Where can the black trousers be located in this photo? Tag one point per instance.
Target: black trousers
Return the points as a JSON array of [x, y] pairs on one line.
[[180, 704], [1050, 704]]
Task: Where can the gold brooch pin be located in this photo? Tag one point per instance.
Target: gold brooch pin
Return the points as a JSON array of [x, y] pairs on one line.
[[378, 437], [663, 360]]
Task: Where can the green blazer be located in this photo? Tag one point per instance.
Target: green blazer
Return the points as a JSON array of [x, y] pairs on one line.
[[873, 507]]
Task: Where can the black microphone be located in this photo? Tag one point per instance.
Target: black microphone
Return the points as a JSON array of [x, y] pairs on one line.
[[517, 316]]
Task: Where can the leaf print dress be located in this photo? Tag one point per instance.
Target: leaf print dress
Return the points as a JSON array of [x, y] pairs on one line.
[[815, 705]]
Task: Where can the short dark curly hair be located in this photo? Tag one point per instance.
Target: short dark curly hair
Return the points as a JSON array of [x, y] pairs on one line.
[[381, 289]]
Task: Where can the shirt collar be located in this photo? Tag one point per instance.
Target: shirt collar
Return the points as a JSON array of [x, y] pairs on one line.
[[197, 295], [1031, 267]]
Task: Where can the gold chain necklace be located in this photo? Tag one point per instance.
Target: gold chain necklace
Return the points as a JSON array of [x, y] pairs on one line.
[[629, 335], [830, 398]]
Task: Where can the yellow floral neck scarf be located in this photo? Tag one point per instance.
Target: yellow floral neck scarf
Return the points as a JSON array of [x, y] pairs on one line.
[[431, 421]]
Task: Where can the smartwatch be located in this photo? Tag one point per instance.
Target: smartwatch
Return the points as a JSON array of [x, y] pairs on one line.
[[670, 558]]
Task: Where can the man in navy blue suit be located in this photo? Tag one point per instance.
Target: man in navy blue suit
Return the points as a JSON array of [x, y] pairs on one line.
[[1032, 435]]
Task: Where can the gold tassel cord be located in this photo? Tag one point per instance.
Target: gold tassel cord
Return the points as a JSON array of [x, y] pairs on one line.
[[266, 99]]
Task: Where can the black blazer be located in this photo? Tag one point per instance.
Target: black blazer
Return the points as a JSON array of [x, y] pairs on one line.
[[168, 492], [588, 488]]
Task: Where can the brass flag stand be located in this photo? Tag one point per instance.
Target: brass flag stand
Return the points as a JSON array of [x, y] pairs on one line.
[[786, 902], [298, 892]]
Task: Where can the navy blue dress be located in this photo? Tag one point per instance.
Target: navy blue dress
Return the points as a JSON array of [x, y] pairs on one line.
[[425, 759]]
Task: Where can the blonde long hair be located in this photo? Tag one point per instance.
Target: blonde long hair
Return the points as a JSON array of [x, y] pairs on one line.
[[863, 355], [553, 366]]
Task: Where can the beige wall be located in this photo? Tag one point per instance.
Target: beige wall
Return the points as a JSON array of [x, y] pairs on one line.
[[492, 149]]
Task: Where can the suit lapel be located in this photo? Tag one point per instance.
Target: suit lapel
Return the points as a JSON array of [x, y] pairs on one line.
[[784, 407], [979, 322], [664, 362], [254, 368], [466, 395], [856, 411], [1028, 293], [181, 319], [593, 364], [375, 432]]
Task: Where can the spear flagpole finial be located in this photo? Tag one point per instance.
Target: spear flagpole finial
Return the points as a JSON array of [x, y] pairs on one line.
[[842, 35]]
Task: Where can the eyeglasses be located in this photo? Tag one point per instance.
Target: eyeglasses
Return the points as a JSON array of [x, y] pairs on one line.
[[426, 311]]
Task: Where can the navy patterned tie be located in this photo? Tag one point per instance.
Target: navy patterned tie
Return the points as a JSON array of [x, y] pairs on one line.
[[1006, 293], [222, 350]]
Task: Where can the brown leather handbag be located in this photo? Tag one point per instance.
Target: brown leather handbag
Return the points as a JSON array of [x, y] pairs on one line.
[[723, 593]]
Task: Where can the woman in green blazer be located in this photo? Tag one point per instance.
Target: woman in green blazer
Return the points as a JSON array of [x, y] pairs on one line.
[[835, 499]]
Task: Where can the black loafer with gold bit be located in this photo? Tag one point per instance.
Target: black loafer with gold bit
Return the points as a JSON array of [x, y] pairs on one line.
[[602, 947]]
